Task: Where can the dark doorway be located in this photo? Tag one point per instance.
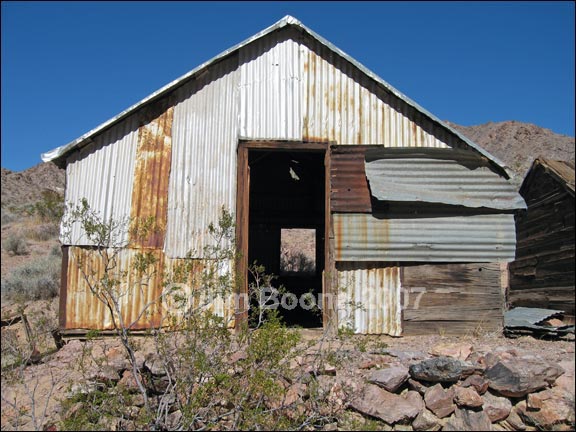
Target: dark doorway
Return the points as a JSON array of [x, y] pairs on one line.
[[286, 227]]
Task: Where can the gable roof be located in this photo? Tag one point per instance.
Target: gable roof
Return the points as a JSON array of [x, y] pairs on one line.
[[288, 20], [561, 171]]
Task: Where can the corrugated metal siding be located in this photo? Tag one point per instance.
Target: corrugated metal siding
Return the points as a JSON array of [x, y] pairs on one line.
[[203, 172], [369, 298], [84, 310], [344, 106], [271, 88], [349, 192], [437, 175], [477, 238], [103, 173], [152, 172]]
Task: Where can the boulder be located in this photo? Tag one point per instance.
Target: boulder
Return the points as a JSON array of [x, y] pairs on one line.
[[389, 407], [553, 412], [477, 382], [517, 378], [390, 379], [459, 351], [467, 420], [439, 369], [497, 408], [440, 401], [514, 421], [426, 421], [467, 397]]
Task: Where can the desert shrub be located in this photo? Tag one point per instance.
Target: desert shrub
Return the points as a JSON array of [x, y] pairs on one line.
[[7, 217], [16, 244], [43, 232], [51, 207], [39, 279]]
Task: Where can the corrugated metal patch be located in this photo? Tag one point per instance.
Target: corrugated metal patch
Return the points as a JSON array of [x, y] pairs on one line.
[[348, 184], [475, 238], [103, 173], [438, 175], [203, 171], [137, 294], [85, 311], [369, 298], [152, 172]]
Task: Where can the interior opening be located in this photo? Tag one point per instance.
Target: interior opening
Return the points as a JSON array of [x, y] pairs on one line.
[[286, 228]]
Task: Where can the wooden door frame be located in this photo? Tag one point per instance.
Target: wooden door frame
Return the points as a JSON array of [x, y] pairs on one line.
[[242, 226]]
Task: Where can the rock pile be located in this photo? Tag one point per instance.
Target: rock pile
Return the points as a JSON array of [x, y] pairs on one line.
[[452, 387]]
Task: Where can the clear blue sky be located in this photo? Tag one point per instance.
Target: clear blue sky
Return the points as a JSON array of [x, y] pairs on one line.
[[67, 67]]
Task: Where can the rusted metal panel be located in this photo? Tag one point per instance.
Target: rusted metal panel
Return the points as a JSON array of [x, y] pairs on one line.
[[449, 176], [345, 106], [103, 173], [474, 238], [203, 171], [369, 297], [85, 311], [137, 294], [270, 90], [349, 192], [152, 171]]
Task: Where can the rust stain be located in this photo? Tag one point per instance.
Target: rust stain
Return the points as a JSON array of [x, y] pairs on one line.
[[136, 292], [152, 172]]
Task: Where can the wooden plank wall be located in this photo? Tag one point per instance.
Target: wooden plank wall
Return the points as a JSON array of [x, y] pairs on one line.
[[542, 275], [452, 299]]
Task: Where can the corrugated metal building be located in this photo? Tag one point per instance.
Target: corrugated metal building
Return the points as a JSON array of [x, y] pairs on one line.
[[542, 276], [411, 220]]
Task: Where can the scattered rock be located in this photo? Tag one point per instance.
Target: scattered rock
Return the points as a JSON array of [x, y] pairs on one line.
[[390, 379], [237, 356], [468, 420], [377, 402], [426, 421], [440, 401], [477, 382], [467, 397], [497, 408], [514, 421], [155, 364], [439, 369], [459, 351], [128, 381], [518, 378], [417, 386], [547, 410]]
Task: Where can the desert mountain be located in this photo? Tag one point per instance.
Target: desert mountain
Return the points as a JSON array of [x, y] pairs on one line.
[[25, 187], [514, 143], [518, 144]]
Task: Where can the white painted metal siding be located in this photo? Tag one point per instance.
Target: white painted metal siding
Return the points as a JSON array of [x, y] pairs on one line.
[[271, 89], [103, 173], [203, 171], [369, 298]]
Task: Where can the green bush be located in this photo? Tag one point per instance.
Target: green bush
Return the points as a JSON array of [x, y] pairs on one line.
[[51, 207], [16, 244], [7, 217], [36, 280]]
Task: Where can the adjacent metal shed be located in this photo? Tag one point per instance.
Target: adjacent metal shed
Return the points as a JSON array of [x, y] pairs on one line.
[[411, 219], [542, 276]]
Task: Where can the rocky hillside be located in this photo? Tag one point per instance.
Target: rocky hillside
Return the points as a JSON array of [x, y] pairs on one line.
[[518, 144], [25, 187]]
